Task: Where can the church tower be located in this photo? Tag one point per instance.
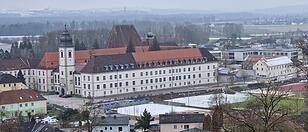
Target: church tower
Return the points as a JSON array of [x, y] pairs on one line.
[[66, 63]]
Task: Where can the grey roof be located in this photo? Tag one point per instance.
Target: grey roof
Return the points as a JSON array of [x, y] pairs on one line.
[[181, 118], [107, 63], [8, 78], [114, 120], [66, 39], [194, 130]]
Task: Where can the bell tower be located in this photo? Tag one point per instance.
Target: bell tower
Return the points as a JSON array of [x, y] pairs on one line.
[[66, 63]]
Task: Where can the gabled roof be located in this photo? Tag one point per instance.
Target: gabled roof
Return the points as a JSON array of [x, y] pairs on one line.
[[19, 96], [17, 64], [181, 118], [113, 120], [8, 78], [277, 61], [120, 36]]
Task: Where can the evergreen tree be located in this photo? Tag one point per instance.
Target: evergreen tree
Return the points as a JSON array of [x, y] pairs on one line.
[[130, 47], [95, 45], [21, 77], [143, 122], [6, 55], [155, 46]]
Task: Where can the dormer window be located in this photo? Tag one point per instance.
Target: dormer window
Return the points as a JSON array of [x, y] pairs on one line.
[[127, 66]]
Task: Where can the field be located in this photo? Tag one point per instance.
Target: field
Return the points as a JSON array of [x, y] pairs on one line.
[[294, 104], [261, 29]]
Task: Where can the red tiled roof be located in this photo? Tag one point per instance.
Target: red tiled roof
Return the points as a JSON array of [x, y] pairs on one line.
[[16, 64], [141, 57], [50, 60], [19, 96]]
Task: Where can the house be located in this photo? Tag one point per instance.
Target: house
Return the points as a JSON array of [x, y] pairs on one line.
[[16, 103], [279, 68], [181, 122], [112, 123], [9, 82]]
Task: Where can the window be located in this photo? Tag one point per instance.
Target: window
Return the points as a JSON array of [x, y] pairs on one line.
[[61, 54], [104, 85], [133, 75], [175, 126], [97, 78], [120, 129], [208, 74], [104, 77], [88, 78], [32, 104], [71, 73], [110, 77], [126, 83], [69, 54], [134, 82], [89, 86], [110, 128], [20, 105], [186, 126], [97, 86]]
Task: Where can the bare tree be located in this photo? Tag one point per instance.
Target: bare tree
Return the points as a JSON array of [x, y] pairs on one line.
[[92, 115], [264, 114]]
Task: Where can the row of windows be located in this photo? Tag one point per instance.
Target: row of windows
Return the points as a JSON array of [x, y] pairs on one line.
[[4, 85], [147, 81], [149, 73], [147, 87]]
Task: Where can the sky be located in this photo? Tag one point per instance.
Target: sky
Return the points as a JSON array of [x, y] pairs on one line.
[[213, 5]]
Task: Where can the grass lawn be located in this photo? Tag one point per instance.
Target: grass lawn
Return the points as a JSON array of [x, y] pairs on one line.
[[54, 112], [294, 104]]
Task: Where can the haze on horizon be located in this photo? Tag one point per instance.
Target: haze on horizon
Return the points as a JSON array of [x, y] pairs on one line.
[[212, 5]]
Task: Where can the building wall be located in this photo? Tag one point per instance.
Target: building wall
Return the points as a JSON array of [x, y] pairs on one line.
[[177, 127], [280, 72], [12, 86], [241, 55], [39, 79], [121, 82], [125, 128], [35, 107], [66, 69]]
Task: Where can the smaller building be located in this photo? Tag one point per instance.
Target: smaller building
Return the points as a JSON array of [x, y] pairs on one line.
[[9, 82], [16, 103], [112, 123], [181, 122], [280, 68]]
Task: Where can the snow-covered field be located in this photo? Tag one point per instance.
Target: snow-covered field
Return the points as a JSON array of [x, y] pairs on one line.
[[200, 101], [154, 109], [205, 100], [5, 46]]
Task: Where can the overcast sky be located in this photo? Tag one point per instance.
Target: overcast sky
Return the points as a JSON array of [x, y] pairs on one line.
[[216, 5]]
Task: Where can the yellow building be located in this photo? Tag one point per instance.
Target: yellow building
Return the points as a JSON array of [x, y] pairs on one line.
[[9, 82]]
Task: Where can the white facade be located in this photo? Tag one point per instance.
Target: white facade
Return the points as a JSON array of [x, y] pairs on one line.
[[112, 128], [66, 69], [140, 80], [279, 68], [241, 54], [39, 79]]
